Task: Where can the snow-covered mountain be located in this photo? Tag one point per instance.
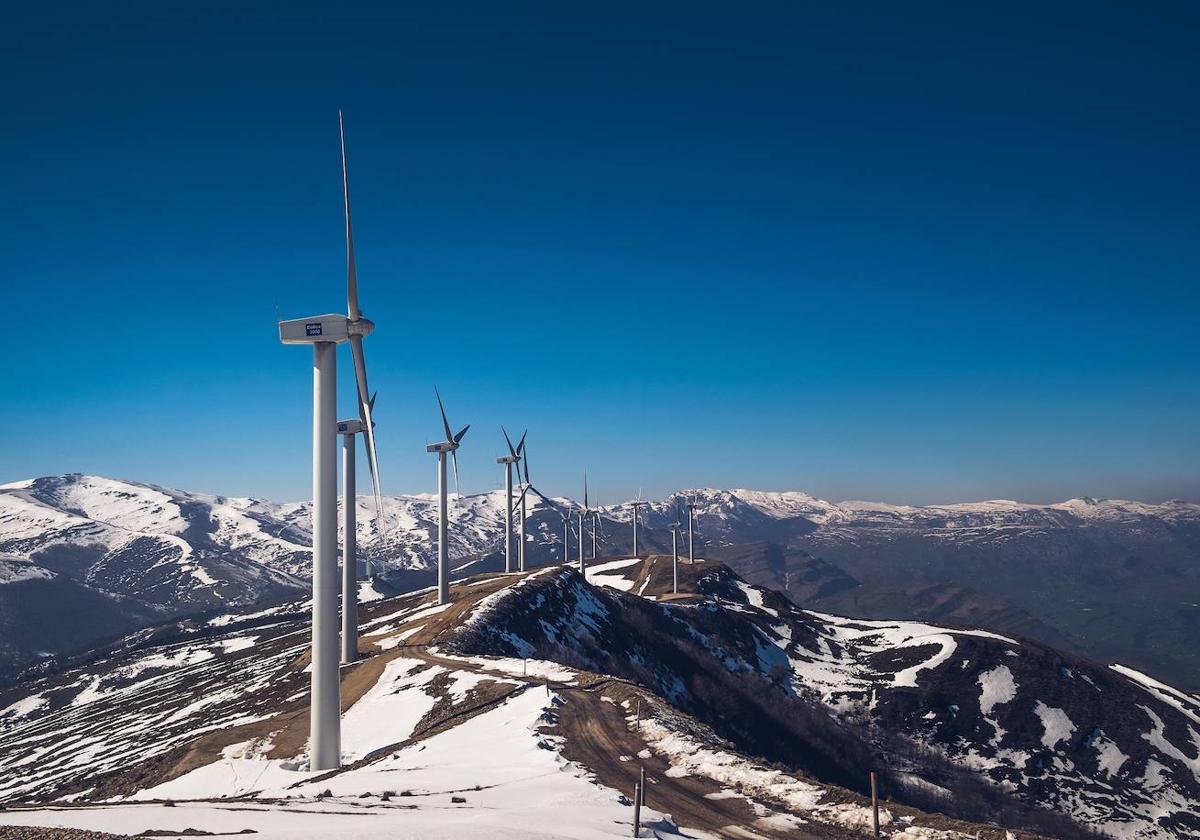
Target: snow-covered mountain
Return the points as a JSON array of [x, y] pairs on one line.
[[1111, 578], [527, 706], [1114, 579]]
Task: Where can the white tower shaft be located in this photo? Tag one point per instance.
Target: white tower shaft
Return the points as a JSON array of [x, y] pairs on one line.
[[581, 570], [324, 721], [691, 539], [594, 532], [566, 535], [349, 554], [521, 552], [443, 567], [635, 524], [675, 560], [508, 517]]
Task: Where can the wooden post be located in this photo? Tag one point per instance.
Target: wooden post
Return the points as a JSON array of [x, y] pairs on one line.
[[637, 810], [874, 803], [639, 714]]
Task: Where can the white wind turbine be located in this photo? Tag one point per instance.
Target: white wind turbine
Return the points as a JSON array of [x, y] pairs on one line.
[[566, 520], [525, 488], [675, 555], [691, 507], [597, 530], [450, 444], [583, 512], [637, 506], [513, 457], [324, 333], [349, 429]]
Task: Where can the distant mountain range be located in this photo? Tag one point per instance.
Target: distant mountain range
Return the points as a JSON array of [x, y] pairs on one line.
[[85, 558]]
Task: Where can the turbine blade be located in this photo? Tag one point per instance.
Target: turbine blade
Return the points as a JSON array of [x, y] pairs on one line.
[[521, 444], [366, 405], [351, 269], [517, 501], [445, 422], [585, 496], [508, 440], [545, 498], [458, 437], [454, 459]]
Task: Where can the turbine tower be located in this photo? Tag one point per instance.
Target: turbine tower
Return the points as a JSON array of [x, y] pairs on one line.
[[637, 505], [513, 457], [521, 502], [450, 444], [566, 518], [675, 558], [596, 530], [691, 506], [349, 429], [526, 487], [324, 333], [583, 512]]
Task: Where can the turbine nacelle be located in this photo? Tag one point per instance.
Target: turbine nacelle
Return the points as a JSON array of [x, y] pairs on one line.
[[350, 427], [444, 446], [333, 327]]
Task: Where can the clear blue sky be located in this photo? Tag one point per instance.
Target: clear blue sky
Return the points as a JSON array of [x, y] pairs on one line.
[[913, 252]]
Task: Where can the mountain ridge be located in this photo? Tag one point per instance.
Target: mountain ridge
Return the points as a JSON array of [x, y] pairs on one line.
[[748, 712], [1112, 575]]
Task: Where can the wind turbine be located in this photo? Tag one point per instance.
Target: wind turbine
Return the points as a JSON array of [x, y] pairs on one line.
[[596, 529], [324, 333], [675, 557], [691, 507], [526, 487], [450, 444], [637, 505], [583, 512], [566, 519], [513, 457], [349, 429]]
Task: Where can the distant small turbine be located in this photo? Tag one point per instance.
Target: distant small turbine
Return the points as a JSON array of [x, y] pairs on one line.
[[583, 512], [348, 429], [566, 519], [526, 488], [513, 457], [691, 507], [675, 557], [450, 444], [597, 530], [637, 505]]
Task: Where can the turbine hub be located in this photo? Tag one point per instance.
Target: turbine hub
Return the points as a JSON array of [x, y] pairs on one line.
[[363, 326]]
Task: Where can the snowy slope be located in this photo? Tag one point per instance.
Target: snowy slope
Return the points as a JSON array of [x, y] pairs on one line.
[[534, 698], [1110, 747], [1114, 578]]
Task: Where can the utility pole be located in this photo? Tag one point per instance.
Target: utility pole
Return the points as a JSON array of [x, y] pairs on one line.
[[637, 810], [874, 803]]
